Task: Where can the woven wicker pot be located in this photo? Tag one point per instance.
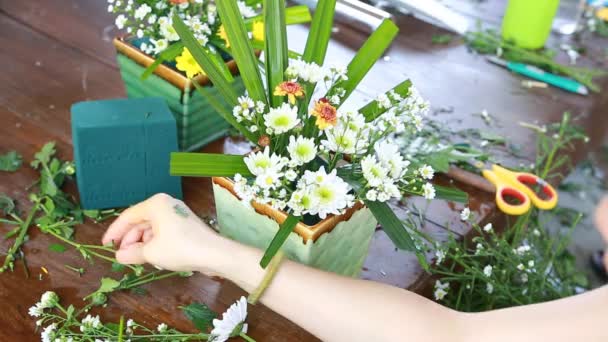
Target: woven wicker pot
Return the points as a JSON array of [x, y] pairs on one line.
[[337, 244], [197, 121]]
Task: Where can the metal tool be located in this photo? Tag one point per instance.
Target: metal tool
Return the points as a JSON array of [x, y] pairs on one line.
[[541, 75]]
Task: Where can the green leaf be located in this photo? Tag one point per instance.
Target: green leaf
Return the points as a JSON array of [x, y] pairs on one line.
[[451, 194], [492, 137], [369, 53], [203, 58], [320, 32], [391, 224], [293, 15], [372, 110], [7, 204], [279, 239], [57, 248], [108, 285], [242, 51], [207, 164], [222, 111], [200, 315], [442, 39], [116, 267], [44, 155], [10, 162], [169, 54], [440, 160], [275, 46]]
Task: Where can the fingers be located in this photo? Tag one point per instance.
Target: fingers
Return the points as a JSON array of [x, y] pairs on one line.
[[135, 234], [138, 213], [133, 254], [601, 218]]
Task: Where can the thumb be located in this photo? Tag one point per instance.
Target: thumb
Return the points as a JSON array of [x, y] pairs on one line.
[[601, 218], [132, 254]]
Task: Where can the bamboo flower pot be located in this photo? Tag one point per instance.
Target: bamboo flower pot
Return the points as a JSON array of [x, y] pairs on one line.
[[197, 121], [337, 244]]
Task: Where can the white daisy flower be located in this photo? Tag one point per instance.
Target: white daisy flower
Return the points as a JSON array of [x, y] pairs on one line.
[[301, 150], [48, 300], [489, 288], [521, 267], [373, 172], [426, 172], [440, 255], [270, 179], [36, 310], [232, 320], [344, 141], [246, 11], [162, 327], [465, 214], [291, 175], [428, 191], [260, 162], [383, 101], [372, 195], [282, 119], [160, 45], [441, 290], [487, 228], [48, 332], [487, 271], [390, 158]]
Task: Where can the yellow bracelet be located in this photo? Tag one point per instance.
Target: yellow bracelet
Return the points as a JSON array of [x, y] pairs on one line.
[[271, 271]]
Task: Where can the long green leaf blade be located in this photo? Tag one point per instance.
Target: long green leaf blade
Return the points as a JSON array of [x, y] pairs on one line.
[[391, 224], [372, 110], [279, 239], [225, 113], [168, 54], [275, 46], [215, 74], [293, 15], [207, 165], [320, 32], [369, 53], [242, 52]]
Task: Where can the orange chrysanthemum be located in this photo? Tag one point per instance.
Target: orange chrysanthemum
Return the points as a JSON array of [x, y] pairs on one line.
[[326, 114], [177, 2], [291, 89]]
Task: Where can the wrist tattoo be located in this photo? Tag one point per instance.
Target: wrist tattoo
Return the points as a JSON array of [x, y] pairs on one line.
[[180, 210]]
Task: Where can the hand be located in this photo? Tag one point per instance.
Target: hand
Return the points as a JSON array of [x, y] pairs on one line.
[[164, 232], [601, 221]]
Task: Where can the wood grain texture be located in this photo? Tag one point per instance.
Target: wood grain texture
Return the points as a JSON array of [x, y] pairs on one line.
[[57, 52]]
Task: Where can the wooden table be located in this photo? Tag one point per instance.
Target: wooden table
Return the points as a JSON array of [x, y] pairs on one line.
[[57, 52]]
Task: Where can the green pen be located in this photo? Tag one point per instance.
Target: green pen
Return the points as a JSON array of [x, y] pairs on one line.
[[541, 75]]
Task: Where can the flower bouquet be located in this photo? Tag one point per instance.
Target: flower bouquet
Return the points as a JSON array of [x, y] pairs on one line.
[[321, 175], [154, 62]]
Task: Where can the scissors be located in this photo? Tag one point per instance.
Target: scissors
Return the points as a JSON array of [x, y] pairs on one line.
[[519, 185]]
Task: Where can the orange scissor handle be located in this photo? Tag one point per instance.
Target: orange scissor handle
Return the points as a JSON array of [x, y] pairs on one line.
[[525, 182]]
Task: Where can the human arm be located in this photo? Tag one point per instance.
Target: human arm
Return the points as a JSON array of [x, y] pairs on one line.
[[332, 307]]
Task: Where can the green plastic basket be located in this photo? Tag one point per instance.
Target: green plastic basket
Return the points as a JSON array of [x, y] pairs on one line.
[[341, 250], [197, 121]]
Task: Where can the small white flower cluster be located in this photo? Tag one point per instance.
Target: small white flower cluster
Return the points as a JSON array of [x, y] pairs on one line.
[[305, 72], [349, 136], [401, 112], [142, 19], [383, 171], [48, 300], [248, 110], [90, 323]]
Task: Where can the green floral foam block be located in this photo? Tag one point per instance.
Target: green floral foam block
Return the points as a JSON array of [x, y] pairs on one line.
[[342, 250]]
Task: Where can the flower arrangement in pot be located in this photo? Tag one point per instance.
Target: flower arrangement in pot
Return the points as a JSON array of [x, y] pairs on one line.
[[320, 177], [153, 61]]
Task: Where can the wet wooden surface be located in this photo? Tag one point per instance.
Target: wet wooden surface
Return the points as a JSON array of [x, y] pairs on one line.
[[57, 52]]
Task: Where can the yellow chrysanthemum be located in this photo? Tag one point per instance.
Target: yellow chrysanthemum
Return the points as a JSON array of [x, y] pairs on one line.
[[257, 30], [221, 32], [326, 114], [602, 13], [186, 63], [291, 89]]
